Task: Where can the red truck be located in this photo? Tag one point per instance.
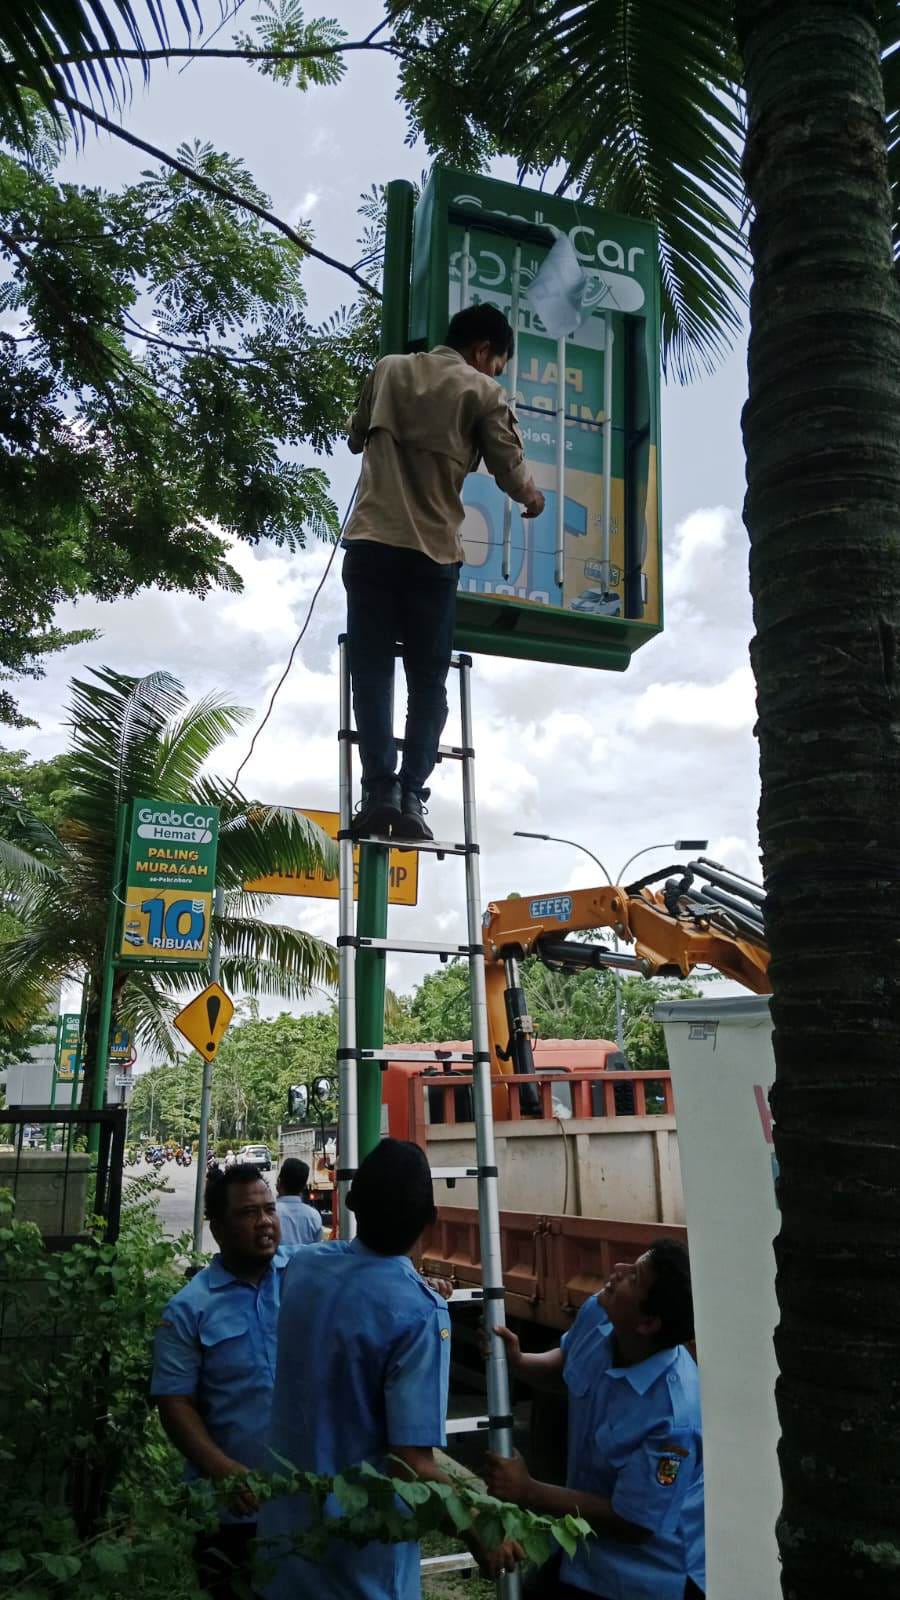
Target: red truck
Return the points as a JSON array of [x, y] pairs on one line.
[[588, 1175]]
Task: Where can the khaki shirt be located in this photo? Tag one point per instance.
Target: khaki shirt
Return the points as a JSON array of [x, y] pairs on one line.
[[425, 421]]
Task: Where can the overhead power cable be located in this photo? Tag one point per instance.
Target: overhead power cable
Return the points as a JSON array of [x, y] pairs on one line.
[[297, 642]]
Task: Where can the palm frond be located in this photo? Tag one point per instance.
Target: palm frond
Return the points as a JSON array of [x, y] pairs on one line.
[[117, 723], [263, 978], [637, 102], [256, 840], [189, 742], [646, 116], [28, 845], [30, 970], [147, 1010], [35, 39], [248, 939]]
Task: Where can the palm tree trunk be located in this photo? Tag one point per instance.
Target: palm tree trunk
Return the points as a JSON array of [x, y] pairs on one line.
[[822, 435], [91, 1033]]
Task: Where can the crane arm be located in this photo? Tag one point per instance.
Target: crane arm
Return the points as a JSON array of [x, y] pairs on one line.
[[706, 916]]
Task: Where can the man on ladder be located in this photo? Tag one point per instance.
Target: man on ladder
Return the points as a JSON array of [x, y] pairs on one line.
[[423, 421]]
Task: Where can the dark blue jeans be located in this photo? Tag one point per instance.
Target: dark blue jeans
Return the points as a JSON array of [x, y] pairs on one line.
[[398, 597]]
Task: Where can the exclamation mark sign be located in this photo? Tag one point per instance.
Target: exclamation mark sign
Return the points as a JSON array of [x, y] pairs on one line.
[[213, 1007]]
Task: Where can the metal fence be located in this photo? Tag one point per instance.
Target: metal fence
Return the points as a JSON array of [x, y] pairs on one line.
[[63, 1167]]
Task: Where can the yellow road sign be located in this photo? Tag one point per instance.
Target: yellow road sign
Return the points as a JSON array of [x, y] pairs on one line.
[[403, 871], [204, 1021]]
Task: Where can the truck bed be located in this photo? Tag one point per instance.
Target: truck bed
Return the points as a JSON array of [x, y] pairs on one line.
[[551, 1264]]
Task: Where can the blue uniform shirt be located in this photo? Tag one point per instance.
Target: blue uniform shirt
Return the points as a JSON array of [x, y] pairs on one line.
[[216, 1341], [363, 1363], [634, 1437], [300, 1223]]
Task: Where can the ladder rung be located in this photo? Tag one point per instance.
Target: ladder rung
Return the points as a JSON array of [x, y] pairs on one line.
[[460, 1562], [466, 1297], [467, 1424], [436, 847], [450, 1174], [415, 947], [388, 1053], [446, 752]]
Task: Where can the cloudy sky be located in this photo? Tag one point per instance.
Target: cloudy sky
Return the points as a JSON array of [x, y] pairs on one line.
[[616, 762]]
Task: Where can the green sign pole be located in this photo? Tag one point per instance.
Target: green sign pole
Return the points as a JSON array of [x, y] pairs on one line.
[[101, 1059], [371, 921], [374, 860], [397, 267], [48, 1137]]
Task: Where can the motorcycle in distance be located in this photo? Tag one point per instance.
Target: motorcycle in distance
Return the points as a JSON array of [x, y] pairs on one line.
[[183, 1156]]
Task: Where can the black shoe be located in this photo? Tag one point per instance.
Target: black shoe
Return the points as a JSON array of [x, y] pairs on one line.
[[379, 810], [412, 824]]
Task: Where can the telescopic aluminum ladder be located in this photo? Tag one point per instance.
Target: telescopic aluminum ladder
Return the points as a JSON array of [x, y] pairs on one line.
[[498, 1423]]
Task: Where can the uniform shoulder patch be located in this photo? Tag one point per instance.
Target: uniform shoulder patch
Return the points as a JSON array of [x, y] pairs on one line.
[[445, 1333], [667, 1469]]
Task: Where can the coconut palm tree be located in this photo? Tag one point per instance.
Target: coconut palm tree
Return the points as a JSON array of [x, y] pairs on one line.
[[39, 38], [133, 737], [695, 114]]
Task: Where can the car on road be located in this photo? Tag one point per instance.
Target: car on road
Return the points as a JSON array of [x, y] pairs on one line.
[[259, 1155]]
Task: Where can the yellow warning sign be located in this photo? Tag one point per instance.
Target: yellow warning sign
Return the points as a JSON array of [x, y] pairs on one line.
[[204, 1021], [403, 871]]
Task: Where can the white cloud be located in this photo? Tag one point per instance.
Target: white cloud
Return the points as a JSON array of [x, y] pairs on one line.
[[726, 706], [304, 208]]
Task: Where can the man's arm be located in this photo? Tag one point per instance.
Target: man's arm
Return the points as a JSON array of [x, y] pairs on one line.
[[185, 1427], [511, 1480], [543, 1369], [181, 1419], [418, 1461], [360, 422], [177, 1364], [500, 443]]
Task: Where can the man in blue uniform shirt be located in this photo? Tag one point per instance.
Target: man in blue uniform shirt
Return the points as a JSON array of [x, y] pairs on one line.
[[635, 1467], [214, 1363], [363, 1364], [300, 1222]]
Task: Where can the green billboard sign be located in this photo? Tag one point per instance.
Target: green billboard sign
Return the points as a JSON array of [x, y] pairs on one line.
[[582, 583], [170, 883], [68, 1040]]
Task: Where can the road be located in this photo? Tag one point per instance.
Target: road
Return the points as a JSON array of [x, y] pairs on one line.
[[176, 1200]]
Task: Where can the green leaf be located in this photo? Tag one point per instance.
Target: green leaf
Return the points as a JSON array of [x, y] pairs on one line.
[[110, 1559], [536, 1542], [58, 1565], [458, 1512], [565, 1537], [413, 1491], [353, 1497]]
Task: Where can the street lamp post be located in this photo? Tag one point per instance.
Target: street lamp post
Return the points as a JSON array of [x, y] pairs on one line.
[[677, 844]]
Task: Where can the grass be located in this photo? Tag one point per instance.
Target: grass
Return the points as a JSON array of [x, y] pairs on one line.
[[453, 1585]]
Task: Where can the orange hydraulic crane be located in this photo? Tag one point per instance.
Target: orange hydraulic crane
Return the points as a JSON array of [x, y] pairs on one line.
[[705, 915]]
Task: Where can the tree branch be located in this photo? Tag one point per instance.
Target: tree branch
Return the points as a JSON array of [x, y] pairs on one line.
[[212, 187], [313, 52], [133, 330]]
